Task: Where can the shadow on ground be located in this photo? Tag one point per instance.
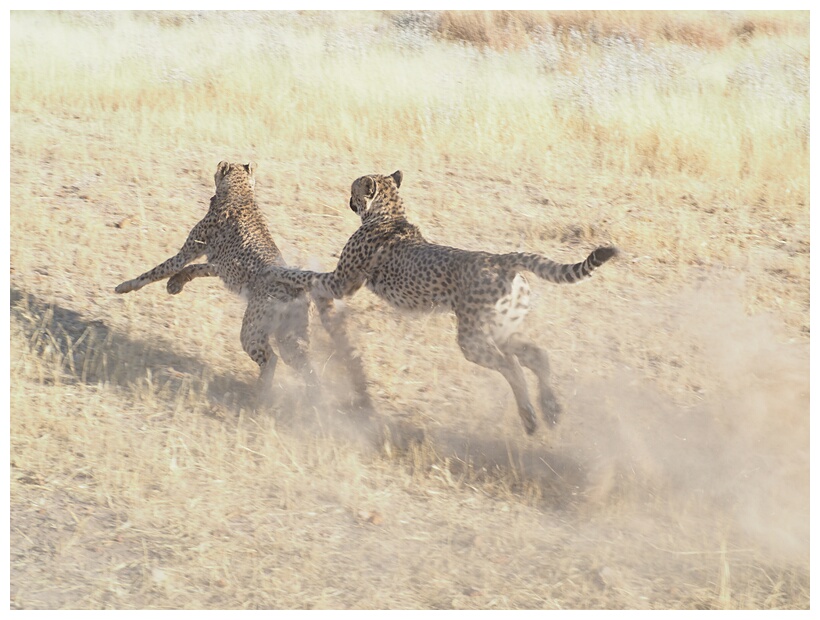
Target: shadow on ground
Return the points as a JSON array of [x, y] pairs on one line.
[[93, 353], [549, 475]]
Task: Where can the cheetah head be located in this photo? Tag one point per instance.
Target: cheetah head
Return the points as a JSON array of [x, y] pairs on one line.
[[375, 192], [234, 175]]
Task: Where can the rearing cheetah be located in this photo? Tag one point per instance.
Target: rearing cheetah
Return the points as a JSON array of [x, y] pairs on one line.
[[239, 248], [486, 292]]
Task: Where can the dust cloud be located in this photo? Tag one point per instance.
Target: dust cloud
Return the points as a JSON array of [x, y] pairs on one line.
[[736, 450], [723, 440]]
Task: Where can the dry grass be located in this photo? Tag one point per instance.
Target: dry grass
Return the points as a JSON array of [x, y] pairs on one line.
[[502, 30], [143, 475]]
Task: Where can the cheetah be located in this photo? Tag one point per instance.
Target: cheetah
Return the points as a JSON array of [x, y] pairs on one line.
[[488, 295], [239, 247]]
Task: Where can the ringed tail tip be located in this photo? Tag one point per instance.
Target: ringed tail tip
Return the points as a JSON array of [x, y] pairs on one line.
[[603, 254]]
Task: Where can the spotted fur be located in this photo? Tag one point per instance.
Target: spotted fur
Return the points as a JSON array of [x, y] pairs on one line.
[[486, 291], [239, 248]]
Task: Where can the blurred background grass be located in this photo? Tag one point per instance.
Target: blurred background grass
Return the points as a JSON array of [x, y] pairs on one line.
[[721, 98]]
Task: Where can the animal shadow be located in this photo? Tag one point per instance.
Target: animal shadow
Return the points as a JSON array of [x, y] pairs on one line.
[[93, 353]]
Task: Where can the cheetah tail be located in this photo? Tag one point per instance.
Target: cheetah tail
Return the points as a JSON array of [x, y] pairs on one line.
[[557, 272]]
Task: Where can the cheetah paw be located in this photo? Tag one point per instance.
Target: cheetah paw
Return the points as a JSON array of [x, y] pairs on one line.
[[175, 284], [125, 287]]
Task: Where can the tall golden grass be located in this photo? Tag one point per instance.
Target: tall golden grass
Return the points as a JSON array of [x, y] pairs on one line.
[[637, 101]]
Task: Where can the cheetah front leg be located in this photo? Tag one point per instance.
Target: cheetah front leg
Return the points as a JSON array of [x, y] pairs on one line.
[[349, 276], [297, 278], [188, 273], [479, 349], [193, 248]]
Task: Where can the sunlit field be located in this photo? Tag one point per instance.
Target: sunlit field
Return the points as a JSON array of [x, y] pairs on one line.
[[146, 473]]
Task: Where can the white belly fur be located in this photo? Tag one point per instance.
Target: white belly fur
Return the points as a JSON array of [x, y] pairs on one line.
[[510, 310]]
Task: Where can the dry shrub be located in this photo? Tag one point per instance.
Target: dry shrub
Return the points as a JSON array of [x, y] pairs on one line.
[[701, 29], [495, 29], [606, 24], [696, 34], [695, 29], [168, 19], [756, 23]]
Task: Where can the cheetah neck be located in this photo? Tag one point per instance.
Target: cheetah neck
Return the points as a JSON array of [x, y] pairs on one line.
[[231, 202], [388, 206]]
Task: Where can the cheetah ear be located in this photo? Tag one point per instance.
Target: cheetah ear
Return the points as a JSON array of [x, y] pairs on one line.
[[397, 177], [250, 167], [221, 171], [370, 187]]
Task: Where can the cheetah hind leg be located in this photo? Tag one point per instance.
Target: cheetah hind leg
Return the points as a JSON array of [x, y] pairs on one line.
[[264, 384], [536, 359], [255, 344], [479, 350], [333, 320], [293, 349]]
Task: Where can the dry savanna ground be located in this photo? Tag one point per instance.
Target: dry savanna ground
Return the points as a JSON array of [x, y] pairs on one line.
[[146, 474]]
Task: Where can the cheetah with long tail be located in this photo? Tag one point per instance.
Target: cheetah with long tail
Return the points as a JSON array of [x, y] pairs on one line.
[[486, 291]]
